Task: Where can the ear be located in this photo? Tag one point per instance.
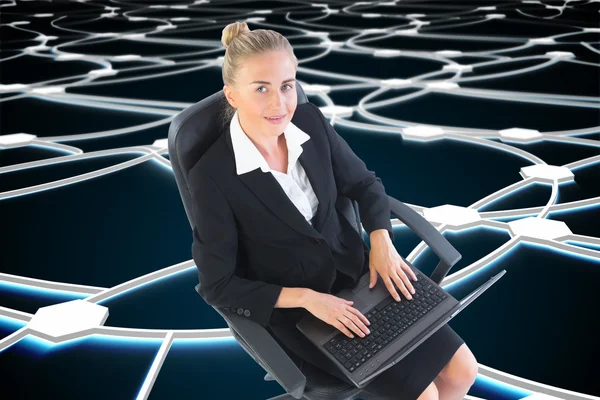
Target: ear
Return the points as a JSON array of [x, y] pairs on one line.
[[229, 95]]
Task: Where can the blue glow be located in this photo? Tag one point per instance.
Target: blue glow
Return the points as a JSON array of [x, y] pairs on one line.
[[549, 138], [11, 323], [582, 257], [145, 285], [582, 244], [474, 229], [576, 209], [494, 145], [163, 165], [33, 291], [475, 274], [497, 386], [51, 161], [511, 193], [59, 185], [54, 149], [512, 217], [206, 342], [39, 345]]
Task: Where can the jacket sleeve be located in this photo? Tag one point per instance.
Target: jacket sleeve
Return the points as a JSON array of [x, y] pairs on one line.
[[355, 181], [215, 249]]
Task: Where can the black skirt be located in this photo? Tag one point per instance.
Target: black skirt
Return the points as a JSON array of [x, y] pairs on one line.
[[405, 380]]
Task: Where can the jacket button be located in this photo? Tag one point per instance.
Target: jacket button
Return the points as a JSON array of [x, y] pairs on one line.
[[240, 311], [317, 240], [247, 313]]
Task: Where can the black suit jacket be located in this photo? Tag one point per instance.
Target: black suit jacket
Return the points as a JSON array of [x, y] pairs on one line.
[[250, 241]]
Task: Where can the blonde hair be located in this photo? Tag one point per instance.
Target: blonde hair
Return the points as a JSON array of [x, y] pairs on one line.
[[239, 43]]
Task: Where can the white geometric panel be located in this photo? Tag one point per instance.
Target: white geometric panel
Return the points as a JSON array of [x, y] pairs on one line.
[[127, 57], [449, 53], [12, 87], [490, 16], [70, 56], [423, 133], [442, 85], [419, 23], [16, 139], [454, 216], [547, 173], [103, 72], [387, 53], [407, 32], [316, 88], [136, 36], [374, 30], [316, 33], [339, 111], [520, 135], [546, 40], [539, 228], [371, 15], [49, 90], [66, 320], [45, 37], [457, 68], [161, 143], [560, 54], [394, 82], [329, 43]]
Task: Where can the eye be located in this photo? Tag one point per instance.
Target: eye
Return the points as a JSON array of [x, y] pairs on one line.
[[258, 90], [291, 87]]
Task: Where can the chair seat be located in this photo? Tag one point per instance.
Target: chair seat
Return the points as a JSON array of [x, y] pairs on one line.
[[320, 383]]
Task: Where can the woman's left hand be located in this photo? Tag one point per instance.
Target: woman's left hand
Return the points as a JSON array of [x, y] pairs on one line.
[[385, 260]]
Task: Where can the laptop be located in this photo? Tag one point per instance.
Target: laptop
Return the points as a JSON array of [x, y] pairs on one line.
[[396, 329]]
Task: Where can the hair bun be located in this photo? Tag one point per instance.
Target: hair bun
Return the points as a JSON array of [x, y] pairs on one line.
[[232, 31]]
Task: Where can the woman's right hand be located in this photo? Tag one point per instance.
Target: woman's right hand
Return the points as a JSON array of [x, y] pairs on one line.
[[337, 312]]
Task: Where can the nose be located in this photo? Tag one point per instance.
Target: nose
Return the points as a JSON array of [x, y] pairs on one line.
[[277, 100]]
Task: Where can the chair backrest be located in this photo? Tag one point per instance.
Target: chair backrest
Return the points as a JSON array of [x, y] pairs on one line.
[[192, 132]]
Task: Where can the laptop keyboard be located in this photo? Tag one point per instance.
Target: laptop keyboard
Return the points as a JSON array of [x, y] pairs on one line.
[[388, 319]]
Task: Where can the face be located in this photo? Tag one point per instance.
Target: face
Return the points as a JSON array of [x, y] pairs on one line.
[[265, 87]]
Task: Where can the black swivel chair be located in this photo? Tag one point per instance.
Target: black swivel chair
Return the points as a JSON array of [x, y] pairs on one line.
[[191, 133]]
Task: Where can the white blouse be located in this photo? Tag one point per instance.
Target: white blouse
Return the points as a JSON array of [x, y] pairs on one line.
[[294, 183]]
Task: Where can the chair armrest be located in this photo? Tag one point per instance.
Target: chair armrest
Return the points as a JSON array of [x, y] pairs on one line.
[[261, 346], [447, 254]]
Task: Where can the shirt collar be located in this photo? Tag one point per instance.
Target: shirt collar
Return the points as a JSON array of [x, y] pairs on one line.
[[248, 158]]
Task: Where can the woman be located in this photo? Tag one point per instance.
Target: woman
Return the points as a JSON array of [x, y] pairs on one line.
[[269, 243]]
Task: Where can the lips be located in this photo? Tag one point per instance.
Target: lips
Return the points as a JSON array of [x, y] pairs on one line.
[[275, 117]]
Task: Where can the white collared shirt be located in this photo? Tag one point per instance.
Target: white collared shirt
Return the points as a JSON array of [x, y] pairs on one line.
[[295, 183]]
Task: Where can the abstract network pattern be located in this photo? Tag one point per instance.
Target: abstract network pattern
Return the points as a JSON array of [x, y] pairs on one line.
[[482, 116]]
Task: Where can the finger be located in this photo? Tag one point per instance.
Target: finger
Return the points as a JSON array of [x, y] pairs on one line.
[[360, 315], [358, 321], [407, 281], [353, 327], [400, 281], [373, 278], [391, 288], [342, 328], [410, 271]]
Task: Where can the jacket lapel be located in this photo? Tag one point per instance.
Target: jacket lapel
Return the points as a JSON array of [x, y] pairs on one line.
[[271, 194]]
